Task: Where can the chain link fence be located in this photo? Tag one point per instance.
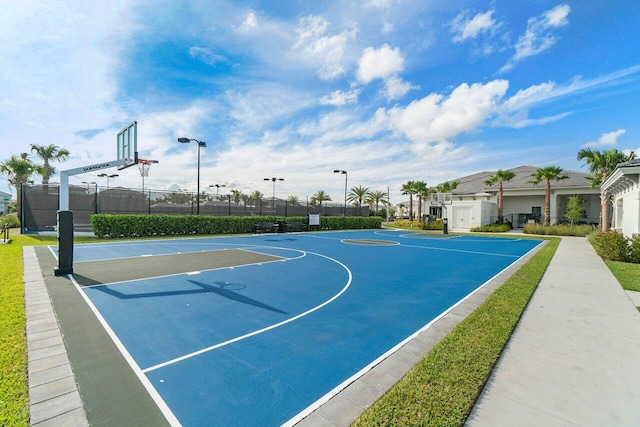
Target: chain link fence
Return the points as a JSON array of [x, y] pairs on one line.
[[39, 205]]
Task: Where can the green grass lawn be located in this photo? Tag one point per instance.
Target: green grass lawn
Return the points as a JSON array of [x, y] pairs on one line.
[[628, 274], [14, 395]]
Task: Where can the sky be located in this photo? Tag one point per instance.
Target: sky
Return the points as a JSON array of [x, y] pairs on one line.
[[387, 90]]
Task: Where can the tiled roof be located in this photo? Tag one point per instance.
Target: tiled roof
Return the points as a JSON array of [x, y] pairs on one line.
[[473, 184]]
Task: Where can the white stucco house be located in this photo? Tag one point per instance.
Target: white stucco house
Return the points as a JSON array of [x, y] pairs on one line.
[[623, 187], [475, 204]]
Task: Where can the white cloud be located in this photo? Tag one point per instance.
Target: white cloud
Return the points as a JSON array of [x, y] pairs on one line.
[[264, 105], [469, 28], [380, 63], [436, 118], [396, 88], [606, 139], [538, 37], [206, 55], [339, 98], [514, 112], [249, 23], [327, 51]]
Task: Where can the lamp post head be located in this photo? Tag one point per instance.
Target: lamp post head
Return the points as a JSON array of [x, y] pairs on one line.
[[184, 140], [102, 175], [340, 171]]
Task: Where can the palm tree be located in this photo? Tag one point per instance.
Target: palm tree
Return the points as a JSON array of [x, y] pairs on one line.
[[320, 197], [357, 195], [547, 174], [421, 191], [408, 189], [376, 197], [48, 154], [18, 170], [293, 201], [236, 195], [601, 165], [256, 197], [447, 187], [499, 178]]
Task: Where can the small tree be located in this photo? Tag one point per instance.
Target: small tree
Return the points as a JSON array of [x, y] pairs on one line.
[[574, 209], [320, 197]]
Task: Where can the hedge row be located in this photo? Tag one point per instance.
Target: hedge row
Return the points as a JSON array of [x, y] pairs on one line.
[[493, 228], [106, 225], [613, 246]]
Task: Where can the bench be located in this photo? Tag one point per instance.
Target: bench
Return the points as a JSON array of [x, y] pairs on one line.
[[263, 227], [296, 226]]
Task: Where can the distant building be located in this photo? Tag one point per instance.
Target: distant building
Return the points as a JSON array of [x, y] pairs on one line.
[[475, 204], [5, 200]]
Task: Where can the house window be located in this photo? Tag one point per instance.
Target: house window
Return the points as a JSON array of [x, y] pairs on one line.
[[536, 212]]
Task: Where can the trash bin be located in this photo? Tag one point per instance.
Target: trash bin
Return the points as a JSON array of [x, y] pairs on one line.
[[282, 226], [446, 225]]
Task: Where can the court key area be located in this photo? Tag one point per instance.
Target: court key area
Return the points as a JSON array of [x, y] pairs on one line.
[[261, 329]]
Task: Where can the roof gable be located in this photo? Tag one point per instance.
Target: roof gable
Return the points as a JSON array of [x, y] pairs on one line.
[[474, 184]]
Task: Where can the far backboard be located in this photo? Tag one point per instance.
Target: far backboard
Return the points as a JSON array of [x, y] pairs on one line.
[[128, 145], [441, 199]]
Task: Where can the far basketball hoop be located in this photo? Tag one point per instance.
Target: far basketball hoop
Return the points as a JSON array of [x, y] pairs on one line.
[[128, 145]]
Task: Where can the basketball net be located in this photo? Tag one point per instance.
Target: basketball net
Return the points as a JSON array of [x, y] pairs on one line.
[[144, 168], [144, 165]]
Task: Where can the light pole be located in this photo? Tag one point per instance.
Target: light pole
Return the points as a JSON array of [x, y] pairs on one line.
[[200, 144], [90, 183], [104, 175], [273, 197], [345, 188], [217, 189]]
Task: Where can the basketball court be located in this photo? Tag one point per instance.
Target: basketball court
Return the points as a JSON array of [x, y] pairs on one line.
[[254, 330]]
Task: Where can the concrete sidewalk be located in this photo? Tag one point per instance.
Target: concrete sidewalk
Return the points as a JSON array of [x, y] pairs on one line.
[[574, 358]]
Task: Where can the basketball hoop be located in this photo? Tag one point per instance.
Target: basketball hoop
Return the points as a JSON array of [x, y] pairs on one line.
[[143, 167]]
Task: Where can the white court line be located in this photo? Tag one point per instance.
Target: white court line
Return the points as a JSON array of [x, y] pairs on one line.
[[211, 269], [324, 399], [260, 331], [162, 405], [460, 251]]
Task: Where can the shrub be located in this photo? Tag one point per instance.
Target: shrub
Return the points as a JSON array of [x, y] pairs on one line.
[[405, 223], [11, 219], [492, 228], [559, 229], [436, 224], [634, 249], [611, 245], [106, 225]]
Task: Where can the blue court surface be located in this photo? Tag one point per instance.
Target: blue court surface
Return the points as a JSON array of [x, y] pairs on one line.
[[259, 343]]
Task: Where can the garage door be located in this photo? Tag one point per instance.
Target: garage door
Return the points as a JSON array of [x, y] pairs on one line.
[[461, 217]]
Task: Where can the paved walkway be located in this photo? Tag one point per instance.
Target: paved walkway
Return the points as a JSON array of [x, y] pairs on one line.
[[53, 393], [574, 358]]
